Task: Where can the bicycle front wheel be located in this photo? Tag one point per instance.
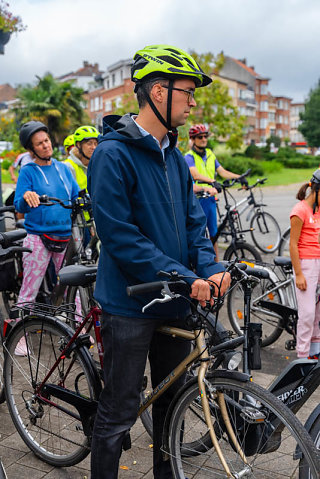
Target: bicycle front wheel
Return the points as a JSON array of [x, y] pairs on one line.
[[265, 232], [242, 251], [271, 322], [50, 427], [264, 429]]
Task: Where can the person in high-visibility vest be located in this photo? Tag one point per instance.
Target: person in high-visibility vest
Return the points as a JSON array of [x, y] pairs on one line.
[[203, 166], [68, 144], [85, 142]]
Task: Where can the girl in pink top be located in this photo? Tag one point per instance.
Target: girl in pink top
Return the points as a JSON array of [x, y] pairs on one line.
[[305, 257]]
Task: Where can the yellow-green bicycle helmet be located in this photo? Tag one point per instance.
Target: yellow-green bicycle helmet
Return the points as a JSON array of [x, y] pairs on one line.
[[165, 61], [85, 133], [168, 62], [68, 141]]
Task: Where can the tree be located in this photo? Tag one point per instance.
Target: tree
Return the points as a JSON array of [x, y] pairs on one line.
[[128, 104], [310, 126], [59, 105], [215, 107]]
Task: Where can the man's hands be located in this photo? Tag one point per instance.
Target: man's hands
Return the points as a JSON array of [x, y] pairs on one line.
[[32, 198], [200, 288]]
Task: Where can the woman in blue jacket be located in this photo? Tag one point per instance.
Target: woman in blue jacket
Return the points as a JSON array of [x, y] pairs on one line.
[[48, 228]]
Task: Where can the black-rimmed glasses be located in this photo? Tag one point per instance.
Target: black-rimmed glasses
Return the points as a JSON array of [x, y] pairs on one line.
[[190, 93]]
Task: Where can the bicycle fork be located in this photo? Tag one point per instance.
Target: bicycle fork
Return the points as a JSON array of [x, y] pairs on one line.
[[204, 358]]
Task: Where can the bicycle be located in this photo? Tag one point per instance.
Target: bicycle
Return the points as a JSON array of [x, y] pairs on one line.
[[264, 228], [295, 384], [273, 303], [231, 226], [212, 408]]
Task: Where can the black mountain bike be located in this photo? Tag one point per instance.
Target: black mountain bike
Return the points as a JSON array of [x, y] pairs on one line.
[[295, 384]]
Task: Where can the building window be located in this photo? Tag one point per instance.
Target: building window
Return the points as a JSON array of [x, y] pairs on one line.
[[280, 104], [279, 133], [264, 89], [121, 75], [263, 123], [263, 106], [272, 116], [243, 111], [108, 105], [113, 77], [231, 92], [96, 103], [92, 104]]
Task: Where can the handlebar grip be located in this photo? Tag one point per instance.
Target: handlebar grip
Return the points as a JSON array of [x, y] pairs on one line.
[[145, 288], [6, 239], [5, 209]]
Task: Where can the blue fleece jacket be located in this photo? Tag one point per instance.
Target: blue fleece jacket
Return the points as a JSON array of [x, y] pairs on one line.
[[53, 180], [147, 219]]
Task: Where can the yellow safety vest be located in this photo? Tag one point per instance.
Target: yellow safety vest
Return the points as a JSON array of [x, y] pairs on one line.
[[81, 177], [206, 169]]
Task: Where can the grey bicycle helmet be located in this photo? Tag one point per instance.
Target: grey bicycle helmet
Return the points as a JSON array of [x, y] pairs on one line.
[[28, 129]]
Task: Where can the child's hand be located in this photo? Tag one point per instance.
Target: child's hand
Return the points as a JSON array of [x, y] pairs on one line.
[[301, 282]]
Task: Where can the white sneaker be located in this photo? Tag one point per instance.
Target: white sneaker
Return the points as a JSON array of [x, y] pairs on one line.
[[21, 347]]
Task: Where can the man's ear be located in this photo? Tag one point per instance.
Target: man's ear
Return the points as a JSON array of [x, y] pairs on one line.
[[158, 93]]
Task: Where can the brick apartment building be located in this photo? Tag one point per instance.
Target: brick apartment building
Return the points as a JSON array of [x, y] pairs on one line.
[[265, 114]]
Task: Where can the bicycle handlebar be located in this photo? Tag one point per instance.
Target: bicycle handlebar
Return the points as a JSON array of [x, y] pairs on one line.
[[8, 238], [144, 288], [6, 209], [50, 200]]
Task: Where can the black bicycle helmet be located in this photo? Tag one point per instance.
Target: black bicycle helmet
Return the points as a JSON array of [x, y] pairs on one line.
[[316, 181], [28, 129]]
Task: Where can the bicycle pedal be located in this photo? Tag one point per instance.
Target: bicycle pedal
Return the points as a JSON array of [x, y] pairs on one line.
[[290, 345], [252, 415]]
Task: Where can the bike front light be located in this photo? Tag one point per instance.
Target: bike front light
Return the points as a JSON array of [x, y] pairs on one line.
[[232, 360]]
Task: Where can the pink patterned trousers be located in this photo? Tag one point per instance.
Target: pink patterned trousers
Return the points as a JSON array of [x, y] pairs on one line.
[[35, 265]]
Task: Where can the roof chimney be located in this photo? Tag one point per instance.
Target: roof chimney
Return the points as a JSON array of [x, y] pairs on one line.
[[85, 63], [243, 60]]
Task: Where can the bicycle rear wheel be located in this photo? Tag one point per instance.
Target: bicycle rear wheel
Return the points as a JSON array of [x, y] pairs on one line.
[[271, 322], [284, 243], [41, 419], [265, 232], [242, 251], [266, 430]]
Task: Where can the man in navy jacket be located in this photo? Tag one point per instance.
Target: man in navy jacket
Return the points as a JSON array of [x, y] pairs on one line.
[[148, 220]]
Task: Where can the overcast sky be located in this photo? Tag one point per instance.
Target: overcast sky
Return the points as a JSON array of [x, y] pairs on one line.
[[279, 37]]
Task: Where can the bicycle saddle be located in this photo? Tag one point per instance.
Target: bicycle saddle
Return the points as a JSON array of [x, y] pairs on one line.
[[77, 275], [282, 261]]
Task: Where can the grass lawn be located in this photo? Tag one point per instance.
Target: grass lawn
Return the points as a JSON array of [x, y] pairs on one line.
[[286, 176]]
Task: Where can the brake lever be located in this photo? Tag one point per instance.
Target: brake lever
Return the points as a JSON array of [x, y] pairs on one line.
[[167, 296]]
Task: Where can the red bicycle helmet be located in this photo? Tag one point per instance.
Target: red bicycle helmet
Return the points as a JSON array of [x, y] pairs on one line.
[[196, 130]]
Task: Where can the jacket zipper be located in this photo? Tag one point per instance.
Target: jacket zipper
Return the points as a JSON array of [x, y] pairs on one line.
[[173, 210]]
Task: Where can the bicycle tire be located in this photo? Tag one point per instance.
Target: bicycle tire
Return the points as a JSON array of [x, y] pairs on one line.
[[54, 436], [315, 436], [255, 438], [283, 249], [3, 474], [2, 393], [265, 232], [271, 323], [242, 251]]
